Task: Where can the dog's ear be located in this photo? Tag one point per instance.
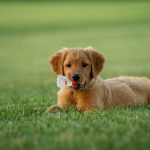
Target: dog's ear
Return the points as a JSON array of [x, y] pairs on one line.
[[97, 60], [57, 60]]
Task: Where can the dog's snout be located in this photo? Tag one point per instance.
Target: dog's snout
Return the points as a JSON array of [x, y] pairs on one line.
[[76, 77]]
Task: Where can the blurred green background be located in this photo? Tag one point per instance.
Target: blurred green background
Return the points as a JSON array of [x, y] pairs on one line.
[[31, 31]]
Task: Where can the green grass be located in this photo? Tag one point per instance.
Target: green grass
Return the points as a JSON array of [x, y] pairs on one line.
[[30, 33]]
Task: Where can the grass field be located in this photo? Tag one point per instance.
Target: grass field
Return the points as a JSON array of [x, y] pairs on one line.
[[30, 33]]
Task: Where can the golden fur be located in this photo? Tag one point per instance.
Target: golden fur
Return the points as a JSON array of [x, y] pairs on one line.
[[95, 93]]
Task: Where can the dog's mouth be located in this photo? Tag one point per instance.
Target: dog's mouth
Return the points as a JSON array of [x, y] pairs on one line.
[[77, 85]]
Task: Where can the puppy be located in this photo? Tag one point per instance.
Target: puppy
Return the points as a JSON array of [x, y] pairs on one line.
[[82, 65]]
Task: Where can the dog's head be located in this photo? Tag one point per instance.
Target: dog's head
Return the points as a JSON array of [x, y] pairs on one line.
[[79, 65]]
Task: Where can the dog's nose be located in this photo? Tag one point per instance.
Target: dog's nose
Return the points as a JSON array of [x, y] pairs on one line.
[[76, 77]]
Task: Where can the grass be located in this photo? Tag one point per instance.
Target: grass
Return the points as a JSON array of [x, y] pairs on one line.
[[30, 33]]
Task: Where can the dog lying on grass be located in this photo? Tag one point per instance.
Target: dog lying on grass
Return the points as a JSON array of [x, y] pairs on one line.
[[81, 66]]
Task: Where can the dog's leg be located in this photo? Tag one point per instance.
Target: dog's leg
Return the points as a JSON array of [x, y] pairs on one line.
[[53, 109], [65, 98]]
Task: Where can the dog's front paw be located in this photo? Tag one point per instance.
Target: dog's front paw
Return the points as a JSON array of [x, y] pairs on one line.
[[53, 109]]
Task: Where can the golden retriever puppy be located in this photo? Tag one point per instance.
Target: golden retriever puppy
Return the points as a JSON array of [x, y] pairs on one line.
[[82, 66]]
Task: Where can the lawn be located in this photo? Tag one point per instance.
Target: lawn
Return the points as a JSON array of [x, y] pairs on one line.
[[30, 33]]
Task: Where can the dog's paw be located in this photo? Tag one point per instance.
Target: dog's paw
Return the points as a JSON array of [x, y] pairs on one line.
[[53, 109]]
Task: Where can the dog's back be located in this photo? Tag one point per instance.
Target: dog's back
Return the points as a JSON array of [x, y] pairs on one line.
[[134, 89]]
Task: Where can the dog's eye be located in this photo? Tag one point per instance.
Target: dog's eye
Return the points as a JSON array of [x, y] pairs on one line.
[[84, 65], [68, 65]]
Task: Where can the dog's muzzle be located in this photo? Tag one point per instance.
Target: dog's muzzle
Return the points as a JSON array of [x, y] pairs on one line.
[[75, 77]]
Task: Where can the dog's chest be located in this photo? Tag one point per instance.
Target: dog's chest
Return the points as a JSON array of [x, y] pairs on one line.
[[82, 100]]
